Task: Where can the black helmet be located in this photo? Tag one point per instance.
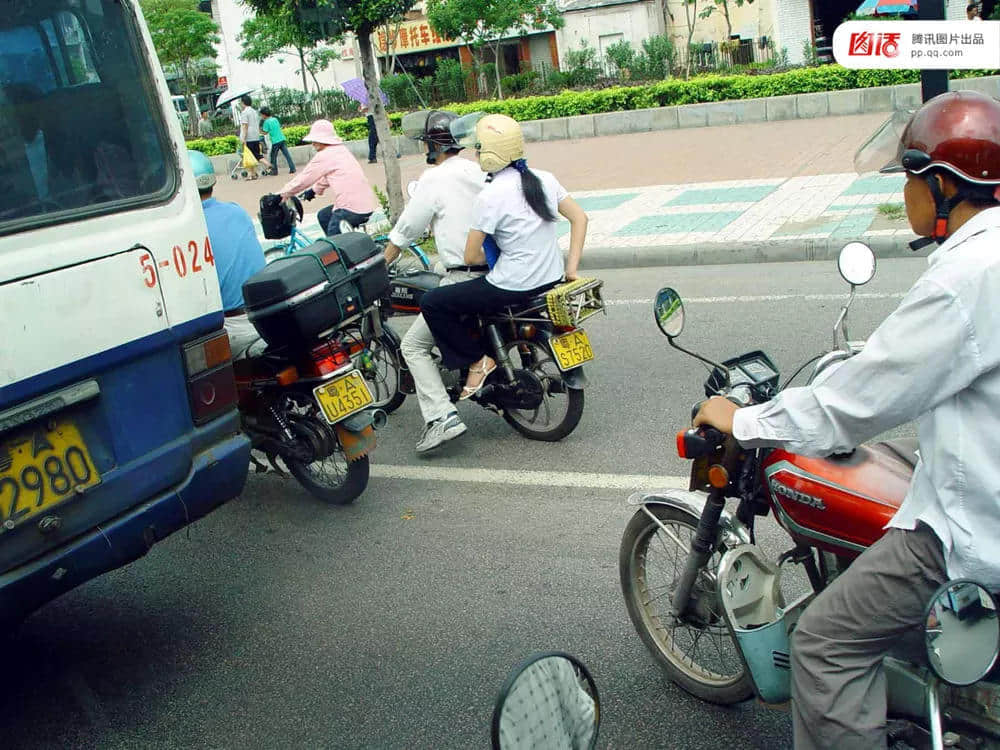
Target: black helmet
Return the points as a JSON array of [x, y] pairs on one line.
[[431, 126]]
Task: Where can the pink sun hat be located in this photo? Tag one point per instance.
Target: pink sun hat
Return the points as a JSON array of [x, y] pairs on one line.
[[322, 131]]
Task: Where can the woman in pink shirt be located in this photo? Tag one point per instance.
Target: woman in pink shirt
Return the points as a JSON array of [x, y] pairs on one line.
[[333, 168]]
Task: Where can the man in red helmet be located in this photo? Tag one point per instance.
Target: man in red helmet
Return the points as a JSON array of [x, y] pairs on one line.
[[936, 359]]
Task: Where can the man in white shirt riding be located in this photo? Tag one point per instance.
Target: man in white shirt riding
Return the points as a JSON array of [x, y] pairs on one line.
[[936, 359], [443, 200]]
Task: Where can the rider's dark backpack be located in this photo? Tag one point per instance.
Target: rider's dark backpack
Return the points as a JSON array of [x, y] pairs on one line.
[[275, 217]]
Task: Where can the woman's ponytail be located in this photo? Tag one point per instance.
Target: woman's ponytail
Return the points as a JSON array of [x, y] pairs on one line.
[[534, 194]]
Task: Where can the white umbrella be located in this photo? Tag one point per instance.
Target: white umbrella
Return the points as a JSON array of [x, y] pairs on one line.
[[231, 95]]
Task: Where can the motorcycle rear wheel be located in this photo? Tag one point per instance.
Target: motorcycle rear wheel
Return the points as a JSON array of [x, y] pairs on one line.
[[330, 480], [540, 424], [383, 376], [716, 673]]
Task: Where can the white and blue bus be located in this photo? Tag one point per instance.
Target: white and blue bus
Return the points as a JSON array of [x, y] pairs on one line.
[[118, 421]]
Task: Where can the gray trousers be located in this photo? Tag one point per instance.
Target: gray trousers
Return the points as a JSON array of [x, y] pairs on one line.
[[838, 683], [416, 347]]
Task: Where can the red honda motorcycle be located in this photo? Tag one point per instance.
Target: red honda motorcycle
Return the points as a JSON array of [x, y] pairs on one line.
[[707, 601]]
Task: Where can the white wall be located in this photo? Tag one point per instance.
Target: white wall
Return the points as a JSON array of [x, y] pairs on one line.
[[792, 27], [275, 72], [633, 20]]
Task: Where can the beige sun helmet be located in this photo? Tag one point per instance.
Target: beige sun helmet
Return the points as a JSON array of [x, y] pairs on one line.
[[500, 141]]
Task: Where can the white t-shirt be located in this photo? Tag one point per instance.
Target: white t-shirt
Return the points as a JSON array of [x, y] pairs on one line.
[[444, 200], [529, 249], [251, 119]]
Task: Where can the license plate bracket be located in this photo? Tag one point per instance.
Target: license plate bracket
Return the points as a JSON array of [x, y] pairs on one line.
[[343, 396], [571, 349]]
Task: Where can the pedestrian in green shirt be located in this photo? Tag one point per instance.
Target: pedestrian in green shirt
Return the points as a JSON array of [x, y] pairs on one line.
[[272, 127]]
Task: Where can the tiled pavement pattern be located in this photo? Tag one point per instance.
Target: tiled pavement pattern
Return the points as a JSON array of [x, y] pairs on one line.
[[731, 212]]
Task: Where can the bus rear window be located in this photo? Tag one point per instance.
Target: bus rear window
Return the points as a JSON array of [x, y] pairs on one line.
[[83, 130]]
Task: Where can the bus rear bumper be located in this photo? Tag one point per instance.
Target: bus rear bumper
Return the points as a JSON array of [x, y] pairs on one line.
[[217, 474]]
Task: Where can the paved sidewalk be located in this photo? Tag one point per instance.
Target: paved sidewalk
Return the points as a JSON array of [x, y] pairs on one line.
[[730, 194], [799, 218]]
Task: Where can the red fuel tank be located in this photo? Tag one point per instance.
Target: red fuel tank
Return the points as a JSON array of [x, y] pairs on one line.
[[839, 504]]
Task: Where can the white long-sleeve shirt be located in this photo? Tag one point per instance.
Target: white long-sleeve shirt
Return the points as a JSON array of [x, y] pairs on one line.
[[443, 200], [934, 359]]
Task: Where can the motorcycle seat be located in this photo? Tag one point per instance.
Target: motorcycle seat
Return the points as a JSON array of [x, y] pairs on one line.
[[905, 449]]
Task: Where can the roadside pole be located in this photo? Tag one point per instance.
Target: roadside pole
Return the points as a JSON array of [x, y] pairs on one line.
[[932, 82]]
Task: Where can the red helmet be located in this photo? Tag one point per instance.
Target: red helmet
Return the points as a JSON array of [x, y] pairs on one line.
[[958, 131]]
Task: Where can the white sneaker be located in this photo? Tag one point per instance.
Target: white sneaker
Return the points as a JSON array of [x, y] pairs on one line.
[[441, 431]]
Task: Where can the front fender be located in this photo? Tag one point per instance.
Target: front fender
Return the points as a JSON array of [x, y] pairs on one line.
[[731, 531]]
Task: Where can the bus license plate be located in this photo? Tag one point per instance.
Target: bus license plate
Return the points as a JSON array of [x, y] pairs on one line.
[[342, 397], [39, 468], [571, 349]]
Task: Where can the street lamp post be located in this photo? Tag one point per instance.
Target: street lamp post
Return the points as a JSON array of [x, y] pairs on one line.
[[932, 82]]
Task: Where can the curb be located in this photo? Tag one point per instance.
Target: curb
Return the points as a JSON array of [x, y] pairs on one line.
[[723, 253]]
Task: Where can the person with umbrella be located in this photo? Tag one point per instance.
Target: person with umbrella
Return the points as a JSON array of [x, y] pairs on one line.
[[333, 168], [355, 88]]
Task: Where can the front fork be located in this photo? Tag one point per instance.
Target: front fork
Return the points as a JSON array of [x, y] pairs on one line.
[[704, 541]]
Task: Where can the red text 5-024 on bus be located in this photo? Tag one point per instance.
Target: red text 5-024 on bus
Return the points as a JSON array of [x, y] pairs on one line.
[[192, 259]]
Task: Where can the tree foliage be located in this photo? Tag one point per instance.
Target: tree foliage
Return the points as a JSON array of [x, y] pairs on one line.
[[264, 37], [184, 39], [487, 22]]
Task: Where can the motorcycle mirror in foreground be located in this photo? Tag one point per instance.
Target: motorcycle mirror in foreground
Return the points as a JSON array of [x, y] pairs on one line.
[[669, 312], [962, 633], [856, 263], [548, 700], [411, 187]]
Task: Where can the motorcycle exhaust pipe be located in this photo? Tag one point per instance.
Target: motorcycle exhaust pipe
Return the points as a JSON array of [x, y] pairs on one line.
[[379, 419]]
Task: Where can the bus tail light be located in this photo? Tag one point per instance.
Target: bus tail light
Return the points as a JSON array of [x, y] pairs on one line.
[[211, 384]]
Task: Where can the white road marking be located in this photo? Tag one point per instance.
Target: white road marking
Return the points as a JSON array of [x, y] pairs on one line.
[[764, 298], [530, 478]]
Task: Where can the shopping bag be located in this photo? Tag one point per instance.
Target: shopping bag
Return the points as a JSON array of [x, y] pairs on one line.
[[249, 160]]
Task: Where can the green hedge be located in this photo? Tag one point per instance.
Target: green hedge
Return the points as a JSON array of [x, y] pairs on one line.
[[709, 88]]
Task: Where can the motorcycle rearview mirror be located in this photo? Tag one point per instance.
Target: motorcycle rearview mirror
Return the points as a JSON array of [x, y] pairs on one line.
[[856, 263], [961, 632], [668, 310], [411, 188], [548, 700]]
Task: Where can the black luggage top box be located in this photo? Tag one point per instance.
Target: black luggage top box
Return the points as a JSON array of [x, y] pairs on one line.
[[297, 297]]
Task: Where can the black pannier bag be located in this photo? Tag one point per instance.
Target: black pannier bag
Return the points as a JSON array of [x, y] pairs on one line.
[[296, 298], [275, 217]]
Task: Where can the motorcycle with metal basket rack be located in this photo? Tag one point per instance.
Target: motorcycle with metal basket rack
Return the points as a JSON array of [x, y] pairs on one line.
[[540, 349], [707, 601]]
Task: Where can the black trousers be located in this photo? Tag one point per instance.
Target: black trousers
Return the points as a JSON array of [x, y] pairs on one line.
[[329, 218], [372, 137], [444, 307]]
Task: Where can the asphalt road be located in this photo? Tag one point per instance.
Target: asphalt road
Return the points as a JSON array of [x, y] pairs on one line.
[[278, 622]]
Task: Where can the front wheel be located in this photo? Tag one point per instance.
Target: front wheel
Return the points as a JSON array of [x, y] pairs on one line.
[[697, 651], [561, 407]]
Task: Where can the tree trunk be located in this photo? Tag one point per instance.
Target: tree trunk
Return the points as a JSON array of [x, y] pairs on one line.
[[691, 16], [302, 68], [729, 25], [393, 180], [496, 68]]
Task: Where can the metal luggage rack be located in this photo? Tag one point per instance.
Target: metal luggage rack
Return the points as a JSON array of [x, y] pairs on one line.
[[566, 305]]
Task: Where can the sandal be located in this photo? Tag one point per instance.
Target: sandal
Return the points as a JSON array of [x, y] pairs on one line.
[[469, 391]]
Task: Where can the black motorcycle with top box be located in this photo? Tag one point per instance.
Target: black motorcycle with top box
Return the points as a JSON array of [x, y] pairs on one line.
[[305, 397]]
